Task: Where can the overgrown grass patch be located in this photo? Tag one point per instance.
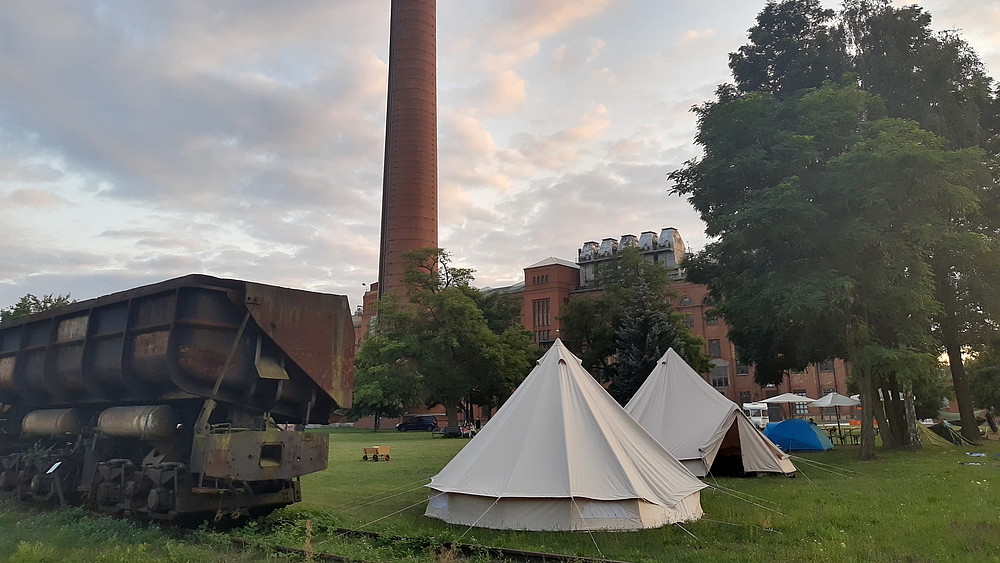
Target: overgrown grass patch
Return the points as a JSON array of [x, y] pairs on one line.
[[907, 506], [28, 535]]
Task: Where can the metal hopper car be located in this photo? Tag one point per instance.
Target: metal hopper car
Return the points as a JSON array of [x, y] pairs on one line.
[[181, 398]]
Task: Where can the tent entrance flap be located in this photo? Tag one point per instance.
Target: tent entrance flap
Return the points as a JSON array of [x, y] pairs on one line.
[[728, 460]]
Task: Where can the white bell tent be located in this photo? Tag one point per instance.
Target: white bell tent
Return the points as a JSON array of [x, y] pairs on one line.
[[561, 454], [700, 426]]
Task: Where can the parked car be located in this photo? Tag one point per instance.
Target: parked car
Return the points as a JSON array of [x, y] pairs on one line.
[[421, 422]]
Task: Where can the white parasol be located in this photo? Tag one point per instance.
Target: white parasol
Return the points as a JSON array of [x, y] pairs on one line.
[[835, 399]]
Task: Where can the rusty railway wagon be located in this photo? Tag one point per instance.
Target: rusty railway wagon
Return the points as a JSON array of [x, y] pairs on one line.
[[184, 398]]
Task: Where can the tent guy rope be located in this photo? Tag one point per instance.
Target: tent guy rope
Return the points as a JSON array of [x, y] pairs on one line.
[[382, 495], [473, 525], [589, 531]]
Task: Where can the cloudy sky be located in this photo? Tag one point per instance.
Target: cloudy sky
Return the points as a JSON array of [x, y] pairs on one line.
[[145, 140]]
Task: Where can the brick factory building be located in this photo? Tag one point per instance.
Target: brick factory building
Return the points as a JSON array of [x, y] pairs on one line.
[[552, 283]]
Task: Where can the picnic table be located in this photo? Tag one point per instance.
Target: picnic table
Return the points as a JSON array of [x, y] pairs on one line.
[[455, 432], [845, 434]]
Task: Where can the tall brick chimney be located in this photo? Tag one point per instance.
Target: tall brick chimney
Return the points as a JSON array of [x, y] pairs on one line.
[[410, 179]]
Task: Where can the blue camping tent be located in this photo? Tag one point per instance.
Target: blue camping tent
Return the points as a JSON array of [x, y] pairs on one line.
[[797, 435]]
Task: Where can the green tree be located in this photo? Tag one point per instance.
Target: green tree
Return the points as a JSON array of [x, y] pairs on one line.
[[933, 78], [937, 80], [642, 337], [793, 180], [824, 215], [984, 377], [627, 323], [793, 46], [439, 341], [386, 377], [30, 304], [501, 310], [929, 393]]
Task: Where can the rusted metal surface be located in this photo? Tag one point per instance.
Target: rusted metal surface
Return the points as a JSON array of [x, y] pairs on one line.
[[317, 333], [175, 339], [164, 400], [253, 455], [73, 328], [7, 374]]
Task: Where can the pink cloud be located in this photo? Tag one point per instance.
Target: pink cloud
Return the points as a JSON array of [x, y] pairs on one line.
[[33, 197]]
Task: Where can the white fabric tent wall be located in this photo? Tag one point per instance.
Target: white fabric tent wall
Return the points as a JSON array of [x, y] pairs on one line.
[[561, 454], [691, 419]]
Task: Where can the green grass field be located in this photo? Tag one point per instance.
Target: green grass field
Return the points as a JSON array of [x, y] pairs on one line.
[[923, 506]]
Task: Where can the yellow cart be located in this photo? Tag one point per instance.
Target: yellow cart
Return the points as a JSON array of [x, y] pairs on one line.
[[376, 453]]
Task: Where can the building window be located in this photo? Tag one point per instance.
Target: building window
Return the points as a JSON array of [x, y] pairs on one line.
[[711, 320], [744, 396], [826, 365], [715, 348], [828, 391], [688, 321], [801, 409], [541, 312], [742, 369], [685, 301], [708, 300], [720, 377]]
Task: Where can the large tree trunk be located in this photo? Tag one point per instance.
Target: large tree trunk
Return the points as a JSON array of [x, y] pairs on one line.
[[892, 429], [948, 329], [911, 421], [865, 381], [900, 424], [884, 425], [970, 430], [451, 411]]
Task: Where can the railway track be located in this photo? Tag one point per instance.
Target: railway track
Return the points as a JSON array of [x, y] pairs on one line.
[[463, 549]]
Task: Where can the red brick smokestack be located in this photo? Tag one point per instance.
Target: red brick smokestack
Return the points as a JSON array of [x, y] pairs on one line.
[[410, 180]]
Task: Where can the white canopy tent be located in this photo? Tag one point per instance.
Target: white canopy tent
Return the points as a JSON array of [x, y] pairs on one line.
[[561, 454], [834, 399], [699, 425], [788, 398]]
